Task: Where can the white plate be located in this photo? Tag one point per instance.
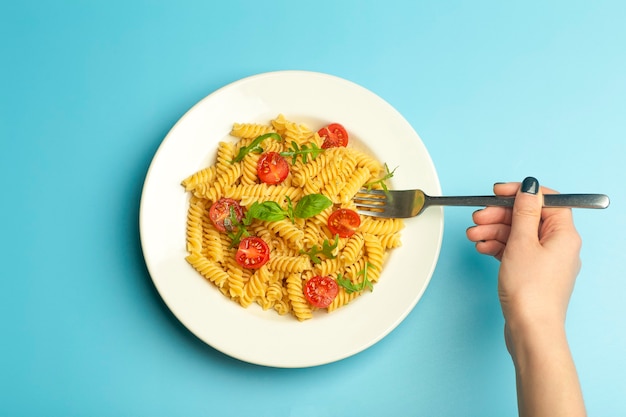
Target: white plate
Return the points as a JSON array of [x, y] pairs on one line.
[[264, 337]]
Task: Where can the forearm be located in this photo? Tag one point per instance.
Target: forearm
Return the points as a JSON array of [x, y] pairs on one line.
[[547, 382]]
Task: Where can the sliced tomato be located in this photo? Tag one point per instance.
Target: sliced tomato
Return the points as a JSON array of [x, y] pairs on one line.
[[320, 291], [344, 222], [252, 253], [333, 135], [272, 168], [219, 213]]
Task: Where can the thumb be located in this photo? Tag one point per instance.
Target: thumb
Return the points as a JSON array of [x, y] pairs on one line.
[[527, 211]]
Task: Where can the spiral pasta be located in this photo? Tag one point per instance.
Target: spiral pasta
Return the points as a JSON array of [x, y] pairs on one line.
[[301, 308], [250, 130], [204, 176], [337, 173]]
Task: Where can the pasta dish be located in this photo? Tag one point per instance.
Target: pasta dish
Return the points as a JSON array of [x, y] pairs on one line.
[[272, 220]]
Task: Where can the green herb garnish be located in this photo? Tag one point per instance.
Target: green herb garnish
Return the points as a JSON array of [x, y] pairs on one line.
[[304, 151], [271, 211], [351, 287], [255, 146], [382, 180], [311, 205], [326, 250], [236, 229], [268, 211]]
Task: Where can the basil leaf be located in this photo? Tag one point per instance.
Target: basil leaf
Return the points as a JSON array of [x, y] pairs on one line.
[[268, 210], [310, 205], [289, 211]]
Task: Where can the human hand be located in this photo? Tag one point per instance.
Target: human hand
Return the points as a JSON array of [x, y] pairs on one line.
[[539, 249]]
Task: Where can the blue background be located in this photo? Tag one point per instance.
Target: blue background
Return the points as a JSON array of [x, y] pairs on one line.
[[497, 91]]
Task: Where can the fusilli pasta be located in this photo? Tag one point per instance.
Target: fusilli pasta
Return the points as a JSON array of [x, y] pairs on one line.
[[338, 173]]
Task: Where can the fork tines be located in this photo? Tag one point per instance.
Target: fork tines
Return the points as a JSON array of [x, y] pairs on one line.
[[370, 202]]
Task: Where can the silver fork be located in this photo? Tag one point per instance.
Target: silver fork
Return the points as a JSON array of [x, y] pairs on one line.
[[410, 203]]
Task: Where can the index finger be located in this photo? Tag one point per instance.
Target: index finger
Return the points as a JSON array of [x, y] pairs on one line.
[[510, 189], [506, 188]]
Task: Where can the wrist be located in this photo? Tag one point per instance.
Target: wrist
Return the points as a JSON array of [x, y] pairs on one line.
[[546, 377], [529, 339]]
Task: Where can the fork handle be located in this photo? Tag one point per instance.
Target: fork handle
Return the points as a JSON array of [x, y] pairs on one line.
[[593, 201]]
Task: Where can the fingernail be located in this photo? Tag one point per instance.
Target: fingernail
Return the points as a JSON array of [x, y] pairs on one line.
[[499, 183], [530, 185]]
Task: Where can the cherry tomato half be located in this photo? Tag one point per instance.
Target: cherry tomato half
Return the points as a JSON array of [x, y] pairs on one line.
[[220, 212], [320, 291], [272, 168], [344, 222], [252, 253], [334, 135]]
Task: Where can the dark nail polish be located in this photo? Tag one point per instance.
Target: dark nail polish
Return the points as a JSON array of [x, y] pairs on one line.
[[530, 185]]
